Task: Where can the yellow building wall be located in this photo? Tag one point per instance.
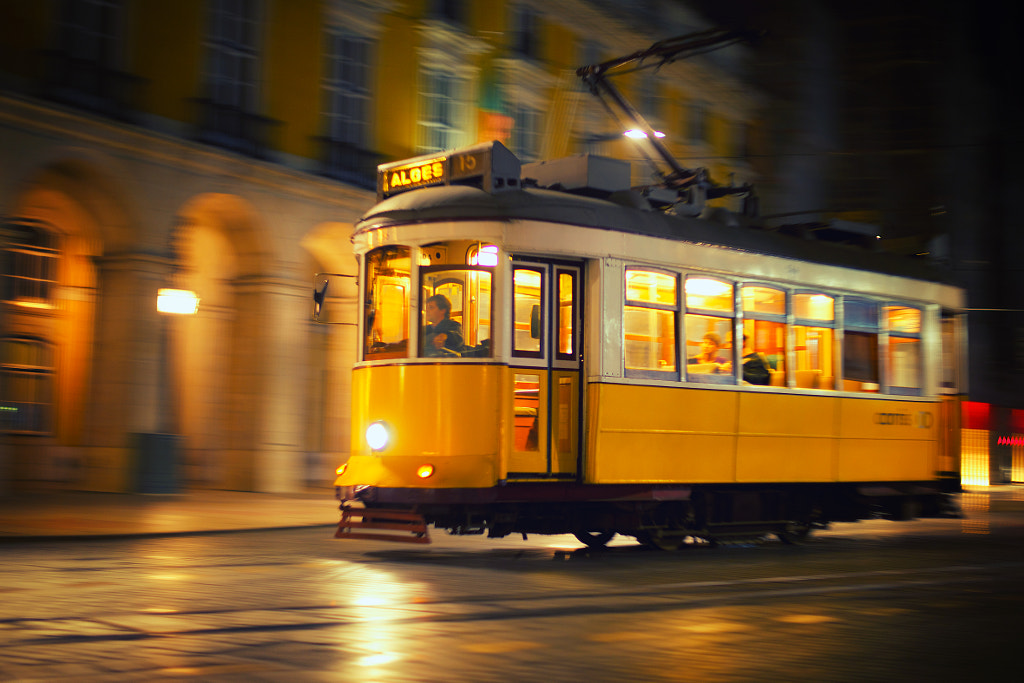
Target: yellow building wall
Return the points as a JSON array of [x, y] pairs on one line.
[[292, 93], [166, 49]]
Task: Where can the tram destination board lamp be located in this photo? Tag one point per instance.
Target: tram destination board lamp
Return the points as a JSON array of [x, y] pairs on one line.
[[157, 455]]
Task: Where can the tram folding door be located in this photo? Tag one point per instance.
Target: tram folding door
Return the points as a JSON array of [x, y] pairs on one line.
[[546, 342]]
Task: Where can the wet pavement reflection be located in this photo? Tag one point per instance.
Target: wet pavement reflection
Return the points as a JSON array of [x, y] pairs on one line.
[[875, 601]]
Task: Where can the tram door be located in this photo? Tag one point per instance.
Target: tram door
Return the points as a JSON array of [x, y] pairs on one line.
[[546, 343]]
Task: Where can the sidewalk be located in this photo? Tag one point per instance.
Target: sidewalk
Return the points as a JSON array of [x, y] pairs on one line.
[[57, 515]]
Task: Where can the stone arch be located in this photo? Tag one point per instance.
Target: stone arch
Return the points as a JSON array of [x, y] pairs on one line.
[[74, 196]]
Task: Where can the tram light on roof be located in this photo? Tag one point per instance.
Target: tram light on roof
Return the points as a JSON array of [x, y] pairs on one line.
[[637, 134]]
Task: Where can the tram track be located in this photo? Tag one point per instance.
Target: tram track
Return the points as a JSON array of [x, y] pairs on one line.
[[137, 625]]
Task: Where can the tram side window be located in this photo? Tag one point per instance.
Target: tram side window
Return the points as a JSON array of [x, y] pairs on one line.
[[566, 343], [649, 322], [860, 345], [903, 352], [386, 303], [455, 315], [813, 341], [709, 324], [527, 318], [764, 335]]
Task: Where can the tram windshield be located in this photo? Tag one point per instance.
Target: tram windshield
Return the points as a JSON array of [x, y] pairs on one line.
[[455, 312], [454, 317]]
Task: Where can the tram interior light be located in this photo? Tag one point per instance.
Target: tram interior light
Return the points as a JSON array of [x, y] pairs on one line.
[[377, 436], [488, 256]]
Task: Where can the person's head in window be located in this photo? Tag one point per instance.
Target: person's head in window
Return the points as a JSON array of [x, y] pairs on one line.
[[437, 308], [709, 347], [442, 335]]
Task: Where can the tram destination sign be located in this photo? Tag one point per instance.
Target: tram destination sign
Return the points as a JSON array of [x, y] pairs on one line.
[[479, 165]]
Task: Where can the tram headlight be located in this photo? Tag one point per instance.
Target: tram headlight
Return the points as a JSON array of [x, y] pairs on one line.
[[425, 471], [377, 436], [341, 469]]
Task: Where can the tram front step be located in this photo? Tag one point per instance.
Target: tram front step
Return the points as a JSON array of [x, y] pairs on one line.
[[402, 525]]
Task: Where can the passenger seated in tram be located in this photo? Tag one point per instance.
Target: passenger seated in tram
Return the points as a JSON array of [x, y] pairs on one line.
[[755, 365], [442, 335], [709, 359]]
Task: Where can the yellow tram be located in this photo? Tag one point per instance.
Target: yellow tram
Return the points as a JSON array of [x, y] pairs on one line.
[[603, 367]]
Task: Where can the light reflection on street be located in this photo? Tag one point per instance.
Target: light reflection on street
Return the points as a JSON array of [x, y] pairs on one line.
[[976, 513], [376, 597]]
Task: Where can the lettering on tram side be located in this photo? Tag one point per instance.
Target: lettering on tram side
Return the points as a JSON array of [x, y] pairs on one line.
[[922, 419]]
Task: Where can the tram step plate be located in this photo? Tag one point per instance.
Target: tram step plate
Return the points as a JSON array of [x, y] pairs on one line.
[[402, 526]]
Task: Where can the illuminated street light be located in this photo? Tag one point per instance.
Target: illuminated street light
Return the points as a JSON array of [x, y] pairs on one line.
[[177, 301]]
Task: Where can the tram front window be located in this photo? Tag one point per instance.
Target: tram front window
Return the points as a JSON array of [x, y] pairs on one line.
[[455, 313], [386, 303]]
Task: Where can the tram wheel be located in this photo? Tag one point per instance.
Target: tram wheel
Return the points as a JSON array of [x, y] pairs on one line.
[[594, 539], [794, 533]]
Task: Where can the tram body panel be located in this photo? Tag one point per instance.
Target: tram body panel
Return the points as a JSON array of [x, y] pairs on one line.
[[660, 435], [667, 435], [449, 416], [888, 440]]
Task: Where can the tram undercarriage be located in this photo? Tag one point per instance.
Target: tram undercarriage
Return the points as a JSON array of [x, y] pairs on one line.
[[664, 518]]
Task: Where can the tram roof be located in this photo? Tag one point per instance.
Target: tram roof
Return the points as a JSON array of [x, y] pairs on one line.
[[631, 214]]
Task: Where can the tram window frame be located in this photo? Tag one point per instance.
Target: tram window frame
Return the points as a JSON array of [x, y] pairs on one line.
[[778, 322], [818, 381], [904, 338], [385, 350], [658, 309], [861, 345], [573, 314], [473, 346], [537, 316], [727, 319]]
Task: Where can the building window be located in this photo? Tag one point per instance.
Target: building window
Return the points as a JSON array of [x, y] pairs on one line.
[[26, 385], [85, 67], [440, 104], [526, 133], [347, 106], [233, 73], [525, 33], [452, 11], [649, 322], [28, 264]]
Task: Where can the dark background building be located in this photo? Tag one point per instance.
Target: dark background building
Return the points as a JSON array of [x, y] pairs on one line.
[[904, 114]]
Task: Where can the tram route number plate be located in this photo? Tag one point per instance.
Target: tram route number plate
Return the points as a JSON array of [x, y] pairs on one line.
[[440, 170]]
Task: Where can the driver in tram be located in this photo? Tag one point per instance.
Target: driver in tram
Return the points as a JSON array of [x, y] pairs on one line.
[[442, 335]]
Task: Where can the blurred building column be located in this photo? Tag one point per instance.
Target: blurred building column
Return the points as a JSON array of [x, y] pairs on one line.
[[268, 380], [126, 377]]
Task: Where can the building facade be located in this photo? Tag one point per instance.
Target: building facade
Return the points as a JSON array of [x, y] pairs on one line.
[[227, 147]]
